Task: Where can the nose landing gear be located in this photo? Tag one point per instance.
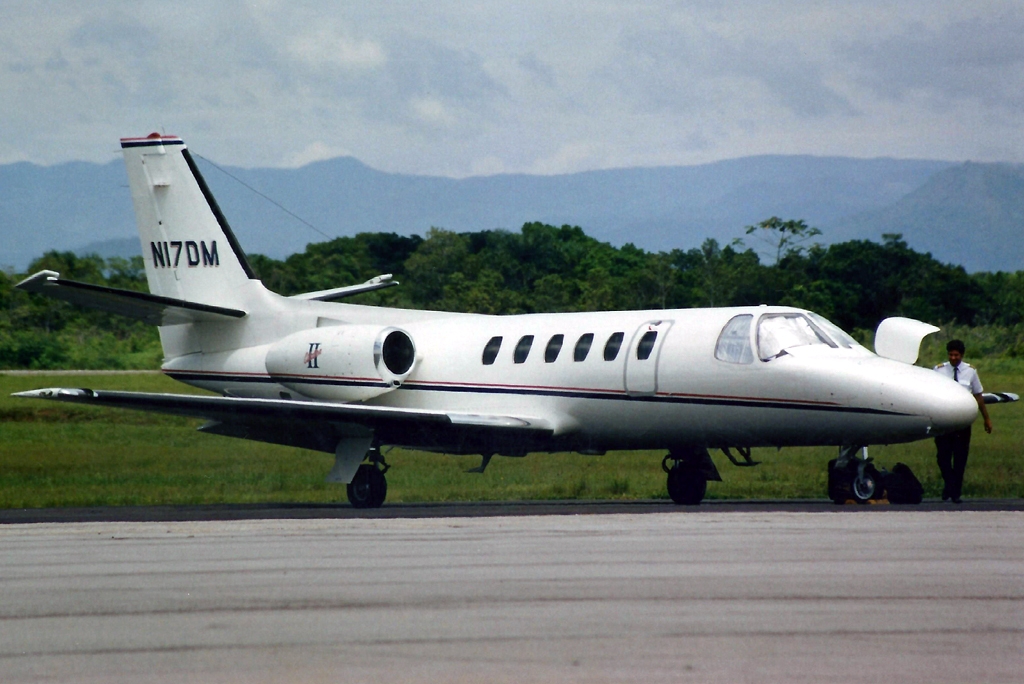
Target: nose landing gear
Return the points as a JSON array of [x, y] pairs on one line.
[[863, 486], [853, 477]]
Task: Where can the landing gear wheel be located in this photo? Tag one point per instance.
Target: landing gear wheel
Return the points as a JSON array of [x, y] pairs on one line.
[[686, 486], [368, 488], [857, 480], [863, 487]]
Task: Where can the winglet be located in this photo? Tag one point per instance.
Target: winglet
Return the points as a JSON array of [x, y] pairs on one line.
[[999, 397], [55, 393], [37, 281]]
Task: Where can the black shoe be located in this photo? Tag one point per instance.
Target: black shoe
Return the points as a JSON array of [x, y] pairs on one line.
[[945, 494], [957, 499]]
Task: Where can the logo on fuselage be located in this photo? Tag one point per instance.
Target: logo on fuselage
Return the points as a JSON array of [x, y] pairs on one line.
[[196, 253], [312, 355]]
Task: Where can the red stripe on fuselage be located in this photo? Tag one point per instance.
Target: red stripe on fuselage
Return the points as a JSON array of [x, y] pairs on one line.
[[481, 385]]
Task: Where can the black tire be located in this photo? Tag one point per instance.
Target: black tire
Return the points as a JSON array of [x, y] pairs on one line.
[[846, 484], [368, 488], [837, 492], [686, 486]]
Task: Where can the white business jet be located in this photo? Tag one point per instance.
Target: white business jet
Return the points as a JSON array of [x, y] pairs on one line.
[[347, 379]]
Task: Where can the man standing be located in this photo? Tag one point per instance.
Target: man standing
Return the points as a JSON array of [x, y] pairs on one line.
[[952, 448]]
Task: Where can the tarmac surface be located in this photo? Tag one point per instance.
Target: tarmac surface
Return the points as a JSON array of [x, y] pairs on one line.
[[708, 594], [284, 511]]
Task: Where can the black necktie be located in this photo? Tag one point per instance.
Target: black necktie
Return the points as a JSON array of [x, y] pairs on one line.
[[956, 374]]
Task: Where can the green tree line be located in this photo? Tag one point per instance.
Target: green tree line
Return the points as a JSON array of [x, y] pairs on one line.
[[544, 268]]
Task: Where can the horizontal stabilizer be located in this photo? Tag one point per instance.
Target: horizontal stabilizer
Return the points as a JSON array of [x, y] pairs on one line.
[[378, 283], [146, 307], [307, 423], [999, 397]]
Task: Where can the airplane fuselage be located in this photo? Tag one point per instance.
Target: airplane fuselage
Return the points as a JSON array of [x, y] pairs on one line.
[[679, 393]]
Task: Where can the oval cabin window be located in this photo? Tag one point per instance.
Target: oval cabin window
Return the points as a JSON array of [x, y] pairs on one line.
[[646, 346], [523, 349], [611, 347], [491, 350], [582, 347], [553, 348]]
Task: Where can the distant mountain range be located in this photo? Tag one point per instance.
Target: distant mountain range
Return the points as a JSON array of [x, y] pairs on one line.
[[970, 214]]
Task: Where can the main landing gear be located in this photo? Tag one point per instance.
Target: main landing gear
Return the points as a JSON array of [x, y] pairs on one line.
[[369, 487], [688, 476]]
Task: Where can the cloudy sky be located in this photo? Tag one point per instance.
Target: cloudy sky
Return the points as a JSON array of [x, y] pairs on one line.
[[468, 88]]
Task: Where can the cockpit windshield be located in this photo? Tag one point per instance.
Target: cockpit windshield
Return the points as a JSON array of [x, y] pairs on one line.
[[778, 332], [838, 335]]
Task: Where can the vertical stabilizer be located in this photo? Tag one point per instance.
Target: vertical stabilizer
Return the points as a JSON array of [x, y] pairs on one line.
[[187, 245]]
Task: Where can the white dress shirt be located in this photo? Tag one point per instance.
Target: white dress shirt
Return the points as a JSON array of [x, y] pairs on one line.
[[965, 375]]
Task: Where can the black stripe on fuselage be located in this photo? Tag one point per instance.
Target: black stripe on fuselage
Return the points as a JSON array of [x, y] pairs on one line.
[[152, 142], [268, 379], [649, 398], [538, 392]]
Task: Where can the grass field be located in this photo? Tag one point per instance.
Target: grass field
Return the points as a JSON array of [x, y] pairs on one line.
[[63, 455]]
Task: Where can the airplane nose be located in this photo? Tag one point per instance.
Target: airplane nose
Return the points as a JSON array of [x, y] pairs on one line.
[[953, 408], [920, 392]]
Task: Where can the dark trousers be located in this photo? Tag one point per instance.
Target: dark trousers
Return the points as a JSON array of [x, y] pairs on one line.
[[951, 453]]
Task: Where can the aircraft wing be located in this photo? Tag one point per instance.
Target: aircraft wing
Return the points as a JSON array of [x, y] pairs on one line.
[[319, 425], [143, 306], [999, 397]]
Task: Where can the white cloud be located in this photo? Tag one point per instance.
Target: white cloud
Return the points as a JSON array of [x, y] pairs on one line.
[[570, 157], [432, 111], [314, 152], [326, 48], [460, 88], [977, 59], [487, 166]]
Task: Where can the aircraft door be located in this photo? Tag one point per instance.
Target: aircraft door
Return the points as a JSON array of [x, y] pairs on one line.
[[641, 374]]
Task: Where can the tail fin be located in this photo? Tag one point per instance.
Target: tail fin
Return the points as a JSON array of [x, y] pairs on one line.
[[188, 248]]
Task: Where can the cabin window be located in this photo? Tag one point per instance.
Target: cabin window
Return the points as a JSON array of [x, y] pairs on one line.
[[734, 342], [778, 332], [646, 346], [523, 349], [491, 350], [611, 347], [582, 347], [554, 346]]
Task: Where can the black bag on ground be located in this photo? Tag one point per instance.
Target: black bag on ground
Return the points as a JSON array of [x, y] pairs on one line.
[[902, 486]]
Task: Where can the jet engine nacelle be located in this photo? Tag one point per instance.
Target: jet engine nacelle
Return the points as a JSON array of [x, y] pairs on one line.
[[343, 362]]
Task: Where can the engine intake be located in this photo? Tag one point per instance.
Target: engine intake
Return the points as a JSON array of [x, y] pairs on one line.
[[343, 362], [396, 351]]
